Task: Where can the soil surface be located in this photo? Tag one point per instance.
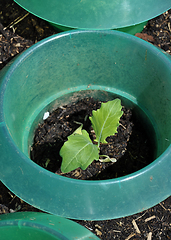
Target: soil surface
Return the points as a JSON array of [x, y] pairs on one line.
[[18, 31], [130, 146]]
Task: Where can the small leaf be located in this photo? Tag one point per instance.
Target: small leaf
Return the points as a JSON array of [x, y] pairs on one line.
[[78, 151], [106, 120]]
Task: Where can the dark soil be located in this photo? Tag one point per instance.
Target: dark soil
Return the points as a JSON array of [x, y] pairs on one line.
[[130, 146], [18, 31]]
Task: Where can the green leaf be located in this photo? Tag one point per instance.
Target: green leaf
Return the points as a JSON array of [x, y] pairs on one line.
[[78, 151], [106, 120]]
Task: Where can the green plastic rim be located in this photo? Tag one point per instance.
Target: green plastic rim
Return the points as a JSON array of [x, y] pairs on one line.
[[64, 68], [96, 15], [33, 225], [131, 29]]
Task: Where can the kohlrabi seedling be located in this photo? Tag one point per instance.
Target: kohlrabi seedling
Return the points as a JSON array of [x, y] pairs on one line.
[[79, 150]]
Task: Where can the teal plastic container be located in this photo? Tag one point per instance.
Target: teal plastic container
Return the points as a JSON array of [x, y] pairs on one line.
[[64, 68], [96, 15], [41, 226]]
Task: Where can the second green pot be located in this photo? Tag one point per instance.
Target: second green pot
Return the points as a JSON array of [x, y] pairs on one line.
[[41, 226]]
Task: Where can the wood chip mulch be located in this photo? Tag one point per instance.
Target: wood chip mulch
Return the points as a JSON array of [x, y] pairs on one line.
[[10, 45]]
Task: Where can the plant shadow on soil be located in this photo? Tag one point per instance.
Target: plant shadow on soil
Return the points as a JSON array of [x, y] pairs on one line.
[[131, 146]]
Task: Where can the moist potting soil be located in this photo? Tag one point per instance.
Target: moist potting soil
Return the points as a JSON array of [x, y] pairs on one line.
[[130, 146]]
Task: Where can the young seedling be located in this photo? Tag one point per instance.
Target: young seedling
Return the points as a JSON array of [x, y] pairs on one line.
[[79, 150]]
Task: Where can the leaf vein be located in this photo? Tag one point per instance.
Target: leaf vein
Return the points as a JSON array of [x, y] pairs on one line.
[[75, 156], [105, 123]]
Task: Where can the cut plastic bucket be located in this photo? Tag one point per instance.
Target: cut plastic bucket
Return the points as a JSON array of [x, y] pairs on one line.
[[97, 15], [62, 69], [39, 226]]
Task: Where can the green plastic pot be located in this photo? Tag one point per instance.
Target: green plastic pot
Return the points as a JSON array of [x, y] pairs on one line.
[[97, 15], [64, 68], [32, 225]]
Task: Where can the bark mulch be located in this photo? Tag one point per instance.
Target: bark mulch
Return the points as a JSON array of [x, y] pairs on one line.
[[18, 31]]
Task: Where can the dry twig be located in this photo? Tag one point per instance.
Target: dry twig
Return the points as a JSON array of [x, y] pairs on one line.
[[136, 226]]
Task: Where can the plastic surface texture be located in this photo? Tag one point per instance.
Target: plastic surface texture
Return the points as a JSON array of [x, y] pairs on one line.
[[64, 68], [32, 225], [96, 15]]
